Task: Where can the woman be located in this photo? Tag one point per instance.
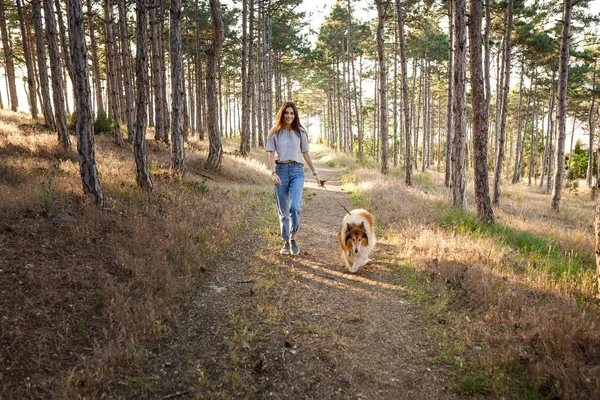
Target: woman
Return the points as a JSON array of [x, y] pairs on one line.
[[289, 140]]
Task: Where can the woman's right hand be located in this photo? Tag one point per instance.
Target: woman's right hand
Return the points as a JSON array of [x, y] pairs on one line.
[[276, 180]]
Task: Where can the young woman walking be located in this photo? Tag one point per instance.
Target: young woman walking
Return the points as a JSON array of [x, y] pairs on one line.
[[288, 149]]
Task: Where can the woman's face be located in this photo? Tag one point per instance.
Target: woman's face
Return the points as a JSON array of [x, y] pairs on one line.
[[288, 116]]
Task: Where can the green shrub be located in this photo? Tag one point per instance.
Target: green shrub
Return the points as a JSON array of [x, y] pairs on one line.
[[103, 123]]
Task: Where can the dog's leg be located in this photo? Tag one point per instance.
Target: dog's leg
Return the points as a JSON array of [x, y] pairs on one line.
[[346, 259], [361, 260]]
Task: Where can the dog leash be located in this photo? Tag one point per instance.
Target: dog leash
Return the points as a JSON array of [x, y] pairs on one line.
[[336, 200]]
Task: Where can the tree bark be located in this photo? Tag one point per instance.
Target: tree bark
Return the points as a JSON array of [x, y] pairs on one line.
[[215, 153], [162, 62], [561, 115], [448, 172], [251, 93], [519, 145], [504, 102], [83, 104], [42, 65], [29, 64], [9, 64], [199, 79], [459, 122], [111, 70], [548, 152], [590, 172], [424, 155], [177, 90], [57, 81], [126, 56], [63, 42], [245, 137], [141, 70], [480, 117], [95, 62], [533, 146], [159, 125], [382, 87]]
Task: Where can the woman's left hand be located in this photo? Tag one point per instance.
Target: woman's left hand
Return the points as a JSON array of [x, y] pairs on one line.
[[317, 178]]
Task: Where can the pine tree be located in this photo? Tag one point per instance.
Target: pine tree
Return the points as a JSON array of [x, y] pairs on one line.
[[83, 104]]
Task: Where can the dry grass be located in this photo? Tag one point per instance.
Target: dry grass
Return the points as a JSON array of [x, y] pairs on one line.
[[511, 304], [84, 290]]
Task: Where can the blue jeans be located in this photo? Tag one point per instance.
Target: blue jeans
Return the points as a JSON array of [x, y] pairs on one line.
[[289, 197]]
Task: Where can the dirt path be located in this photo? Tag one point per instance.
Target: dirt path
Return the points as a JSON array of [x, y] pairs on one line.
[[299, 327]]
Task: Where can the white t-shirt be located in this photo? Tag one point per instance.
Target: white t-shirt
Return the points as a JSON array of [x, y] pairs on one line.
[[288, 145]]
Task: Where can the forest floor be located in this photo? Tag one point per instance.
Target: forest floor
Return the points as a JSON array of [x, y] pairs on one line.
[[302, 327], [182, 292]]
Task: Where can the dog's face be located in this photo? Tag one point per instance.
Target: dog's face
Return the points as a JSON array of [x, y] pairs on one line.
[[356, 237]]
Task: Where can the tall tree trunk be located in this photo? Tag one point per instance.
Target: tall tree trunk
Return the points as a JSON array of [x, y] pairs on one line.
[[177, 90], [199, 77], [561, 114], [149, 88], [395, 106], [499, 92], [250, 92], [480, 116], [215, 153], [142, 175], [190, 101], [265, 71], [83, 104], [519, 146], [486, 61], [504, 102], [245, 139], [163, 71], [404, 88], [57, 81], [382, 87], [112, 70], [95, 62], [277, 72], [126, 56], [590, 172], [424, 155], [42, 65], [29, 64], [459, 123], [548, 147], [533, 145], [269, 73], [552, 130], [157, 83], [9, 65], [448, 172], [340, 140], [259, 77], [66, 57]]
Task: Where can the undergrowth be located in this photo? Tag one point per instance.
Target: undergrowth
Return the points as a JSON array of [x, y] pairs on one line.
[[91, 290], [512, 304]]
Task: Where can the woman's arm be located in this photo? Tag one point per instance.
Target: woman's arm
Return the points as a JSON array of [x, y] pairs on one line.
[[306, 156], [271, 162]]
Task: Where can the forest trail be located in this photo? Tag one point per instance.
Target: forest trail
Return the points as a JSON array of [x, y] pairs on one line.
[[266, 325]]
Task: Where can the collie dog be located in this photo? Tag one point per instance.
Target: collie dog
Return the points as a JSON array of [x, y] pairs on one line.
[[356, 238]]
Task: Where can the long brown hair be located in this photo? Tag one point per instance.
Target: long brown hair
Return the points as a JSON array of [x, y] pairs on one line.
[[296, 125]]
